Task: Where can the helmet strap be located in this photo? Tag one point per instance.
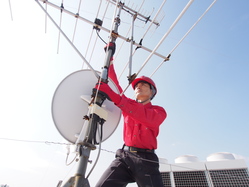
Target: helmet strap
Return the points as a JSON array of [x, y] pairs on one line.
[[143, 101]]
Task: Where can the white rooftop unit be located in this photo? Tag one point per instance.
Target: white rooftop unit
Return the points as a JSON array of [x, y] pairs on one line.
[[186, 159], [220, 156], [220, 170]]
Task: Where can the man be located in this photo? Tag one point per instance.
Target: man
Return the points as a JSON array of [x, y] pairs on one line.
[[136, 161]]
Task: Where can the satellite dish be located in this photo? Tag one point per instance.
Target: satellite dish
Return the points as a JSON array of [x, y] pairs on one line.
[[71, 101]]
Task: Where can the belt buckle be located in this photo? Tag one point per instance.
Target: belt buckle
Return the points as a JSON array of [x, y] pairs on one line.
[[132, 150]]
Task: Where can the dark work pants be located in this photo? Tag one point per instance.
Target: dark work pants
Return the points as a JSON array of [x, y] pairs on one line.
[[129, 167]]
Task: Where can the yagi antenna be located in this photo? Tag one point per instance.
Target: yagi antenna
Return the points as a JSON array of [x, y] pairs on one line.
[[105, 29]]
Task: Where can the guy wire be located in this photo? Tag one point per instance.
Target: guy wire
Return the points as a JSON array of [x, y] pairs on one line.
[[112, 152]]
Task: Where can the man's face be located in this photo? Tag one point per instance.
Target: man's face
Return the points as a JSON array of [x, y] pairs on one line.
[[143, 91]]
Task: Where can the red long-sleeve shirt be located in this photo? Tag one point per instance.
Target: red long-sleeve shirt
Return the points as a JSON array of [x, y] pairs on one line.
[[141, 122]]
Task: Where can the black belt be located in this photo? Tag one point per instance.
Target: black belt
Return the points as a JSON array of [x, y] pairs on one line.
[[135, 149]]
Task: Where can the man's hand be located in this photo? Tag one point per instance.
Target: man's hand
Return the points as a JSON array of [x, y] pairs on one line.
[[110, 94]]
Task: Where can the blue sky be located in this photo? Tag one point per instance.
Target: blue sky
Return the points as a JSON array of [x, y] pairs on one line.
[[204, 86]]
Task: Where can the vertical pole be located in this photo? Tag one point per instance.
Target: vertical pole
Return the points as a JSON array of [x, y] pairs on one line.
[[113, 36], [80, 176], [79, 179], [131, 48]]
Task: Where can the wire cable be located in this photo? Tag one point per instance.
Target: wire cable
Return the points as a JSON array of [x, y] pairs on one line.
[[97, 32], [34, 141], [68, 152], [97, 158], [112, 152]]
